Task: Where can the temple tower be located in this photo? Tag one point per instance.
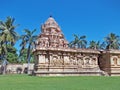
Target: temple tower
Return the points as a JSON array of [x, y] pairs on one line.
[[51, 36], [54, 57]]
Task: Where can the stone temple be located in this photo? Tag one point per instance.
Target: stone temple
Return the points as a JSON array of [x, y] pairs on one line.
[[53, 57]]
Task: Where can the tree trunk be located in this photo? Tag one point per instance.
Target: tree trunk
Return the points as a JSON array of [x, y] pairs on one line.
[[28, 72], [4, 61], [4, 70], [4, 67], [28, 58]]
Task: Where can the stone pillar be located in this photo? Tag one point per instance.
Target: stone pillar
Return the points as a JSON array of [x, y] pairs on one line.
[[50, 58]]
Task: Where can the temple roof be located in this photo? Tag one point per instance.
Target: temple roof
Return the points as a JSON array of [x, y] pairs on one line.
[[51, 22]]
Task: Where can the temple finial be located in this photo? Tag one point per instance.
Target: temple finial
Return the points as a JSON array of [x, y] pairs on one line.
[[50, 15]]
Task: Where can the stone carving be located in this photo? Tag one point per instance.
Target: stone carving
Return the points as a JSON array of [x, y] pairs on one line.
[[90, 61], [56, 61], [54, 37], [114, 60], [46, 43], [87, 61], [56, 56], [66, 60], [93, 61], [73, 61], [80, 62]]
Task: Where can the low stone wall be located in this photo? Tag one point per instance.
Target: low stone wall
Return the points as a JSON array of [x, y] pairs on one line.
[[18, 68]]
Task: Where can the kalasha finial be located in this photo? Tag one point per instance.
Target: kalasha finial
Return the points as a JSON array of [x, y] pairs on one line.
[[50, 15]]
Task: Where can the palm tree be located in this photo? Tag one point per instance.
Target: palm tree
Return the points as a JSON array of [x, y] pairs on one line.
[[79, 41], [82, 42], [75, 41], [7, 31], [94, 45], [112, 41], [102, 45], [3, 51], [7, 36], [28, 40]]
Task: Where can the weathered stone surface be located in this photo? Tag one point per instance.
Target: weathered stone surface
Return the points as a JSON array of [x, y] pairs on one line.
[[110, 62], [17, 68], [54, 57]]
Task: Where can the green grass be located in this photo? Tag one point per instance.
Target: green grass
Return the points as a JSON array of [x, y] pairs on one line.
[[24, 82]]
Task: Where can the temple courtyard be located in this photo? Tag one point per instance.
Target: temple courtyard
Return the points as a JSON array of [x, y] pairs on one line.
[[25, 82]]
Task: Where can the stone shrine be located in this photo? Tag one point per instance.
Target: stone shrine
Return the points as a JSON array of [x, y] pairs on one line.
[[53, 57], [110, 62]]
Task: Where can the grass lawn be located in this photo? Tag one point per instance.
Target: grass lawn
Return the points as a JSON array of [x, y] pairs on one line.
[[24, 82]]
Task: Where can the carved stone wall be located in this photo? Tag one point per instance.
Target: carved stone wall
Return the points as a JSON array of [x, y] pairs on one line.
[[54, 57], [67, 63], [110, 62]]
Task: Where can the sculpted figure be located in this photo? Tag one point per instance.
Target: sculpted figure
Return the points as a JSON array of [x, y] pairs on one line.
[[93, 61], [80, 61], [60, 43], [53, 61], [87, 61], [43, 43], [56, 62], [74, 62], [40, 44], [46, 43]]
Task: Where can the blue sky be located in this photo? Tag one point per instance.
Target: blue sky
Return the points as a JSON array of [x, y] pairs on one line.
[[93, 18]]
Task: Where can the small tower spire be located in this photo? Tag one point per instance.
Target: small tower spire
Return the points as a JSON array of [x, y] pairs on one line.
[[50, 15]]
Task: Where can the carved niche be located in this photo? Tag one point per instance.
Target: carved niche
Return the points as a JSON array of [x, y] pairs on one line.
[[66, 60], [73, 61], [115, 60], [94, 61], [80, 61], [89, 61], [56, 61]]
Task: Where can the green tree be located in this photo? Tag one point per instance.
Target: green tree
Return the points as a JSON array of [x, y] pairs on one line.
[[3, 51], [12, 56], [94, 45], [112, 41], [78, 42], [28, 40], [8, 36], [23, 57], [103, 45]]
